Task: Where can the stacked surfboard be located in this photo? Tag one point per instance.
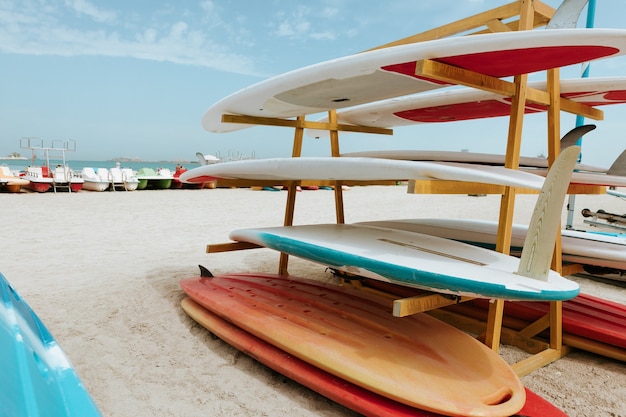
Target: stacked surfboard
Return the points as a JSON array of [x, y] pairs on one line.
[[345, 343]]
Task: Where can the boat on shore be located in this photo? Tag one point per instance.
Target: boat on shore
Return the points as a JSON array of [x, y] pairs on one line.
[[38, 179], [9, 182], [177, 183], [161, 179], [94, 181], [123, 179], [43, 177]]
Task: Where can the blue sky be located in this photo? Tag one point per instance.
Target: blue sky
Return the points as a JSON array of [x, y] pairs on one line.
[[133, 78]]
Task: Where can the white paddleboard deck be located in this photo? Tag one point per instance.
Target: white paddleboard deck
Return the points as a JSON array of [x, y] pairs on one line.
[[411, 259], [469, 103], [587, 178], [577, 246], [358, 169], [390, 72], [460, 157]]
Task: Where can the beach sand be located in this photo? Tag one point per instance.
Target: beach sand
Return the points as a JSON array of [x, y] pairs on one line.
[[102, 271]]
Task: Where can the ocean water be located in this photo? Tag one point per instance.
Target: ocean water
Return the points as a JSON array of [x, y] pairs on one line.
[[77, 165]]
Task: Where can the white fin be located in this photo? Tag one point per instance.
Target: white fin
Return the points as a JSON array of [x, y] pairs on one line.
[[567, 15], [546, 220]]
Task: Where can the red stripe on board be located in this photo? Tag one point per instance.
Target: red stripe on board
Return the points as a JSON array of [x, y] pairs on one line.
[[515, 61]]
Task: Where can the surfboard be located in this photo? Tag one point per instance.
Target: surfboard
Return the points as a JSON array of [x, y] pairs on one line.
[[587, 178], [466, 103], [390, 72], [349, 395], [418, 361], [358, 169], [411, 259], [569, 139], [36, 377], [577, 246], [459, 157]]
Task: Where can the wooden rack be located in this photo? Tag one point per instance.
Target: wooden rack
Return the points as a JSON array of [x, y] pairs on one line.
[[518, 15]]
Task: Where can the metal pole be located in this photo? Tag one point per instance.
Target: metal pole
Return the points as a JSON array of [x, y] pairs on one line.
[[580, 120]]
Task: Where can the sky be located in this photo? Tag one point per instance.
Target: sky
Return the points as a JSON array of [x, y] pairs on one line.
[[133, 78]]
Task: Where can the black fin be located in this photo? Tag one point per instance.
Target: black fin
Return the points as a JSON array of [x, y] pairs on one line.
[[204, 272]]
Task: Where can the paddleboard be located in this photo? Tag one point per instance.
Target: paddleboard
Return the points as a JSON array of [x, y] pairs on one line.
[[587, 178], [36, 377], [569, 139], [341, 391], [417, 360], [358, 169], [390, 72], [459, 157], [410, 259], [467, 103], [577, 246]]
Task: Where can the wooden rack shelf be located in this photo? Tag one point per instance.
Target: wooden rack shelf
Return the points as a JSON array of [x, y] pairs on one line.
[[517, 15]]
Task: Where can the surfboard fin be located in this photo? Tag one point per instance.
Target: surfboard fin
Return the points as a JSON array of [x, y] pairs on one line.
[[204, 272], [546, 220], [201, 159], [618, 167], [571, 137], [567, 14]]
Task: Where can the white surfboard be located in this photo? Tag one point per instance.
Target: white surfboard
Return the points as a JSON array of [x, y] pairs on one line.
[[469, 103], [461, 157], [587, 178], [390, 72], [577, 246], [358, 169], [410, 259], [432, 263], [569, 139]]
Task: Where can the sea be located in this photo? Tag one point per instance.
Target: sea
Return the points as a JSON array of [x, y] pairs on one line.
[[77, 165]]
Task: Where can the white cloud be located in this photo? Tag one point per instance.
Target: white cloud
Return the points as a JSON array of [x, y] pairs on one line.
[[47, 30], [86, 8]]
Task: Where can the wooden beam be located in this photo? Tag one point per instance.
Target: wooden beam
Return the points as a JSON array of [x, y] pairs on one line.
[[298, 136], [424, 302], [306, 124], [458, 187], [230, 246], [288, 221], [539, 360]]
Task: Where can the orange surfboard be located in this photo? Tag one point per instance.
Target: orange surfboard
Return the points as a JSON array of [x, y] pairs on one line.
[[343, 392], [418, 361]]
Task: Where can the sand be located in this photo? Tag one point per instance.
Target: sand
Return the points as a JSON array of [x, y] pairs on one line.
[[102, 271]]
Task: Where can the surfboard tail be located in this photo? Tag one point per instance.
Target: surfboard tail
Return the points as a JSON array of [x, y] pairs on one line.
[[546, 220]]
